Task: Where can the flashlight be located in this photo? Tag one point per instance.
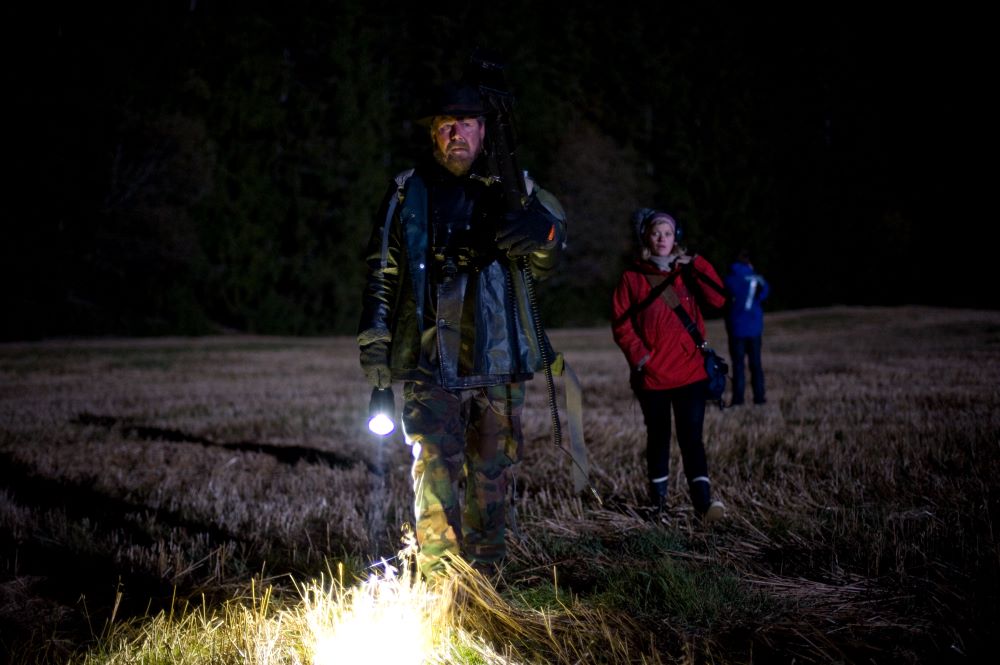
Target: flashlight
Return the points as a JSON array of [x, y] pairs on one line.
[[380, 410]]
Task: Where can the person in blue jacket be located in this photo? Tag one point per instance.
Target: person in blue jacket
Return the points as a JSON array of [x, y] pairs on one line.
[[745, 326]]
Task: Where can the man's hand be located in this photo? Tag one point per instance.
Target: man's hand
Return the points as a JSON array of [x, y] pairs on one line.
[[526, 231], [375, 363]]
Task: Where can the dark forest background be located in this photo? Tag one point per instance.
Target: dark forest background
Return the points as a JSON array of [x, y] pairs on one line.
[[193, 166]]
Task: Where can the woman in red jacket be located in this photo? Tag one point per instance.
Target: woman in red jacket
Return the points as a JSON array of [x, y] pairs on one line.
[[668, 370]]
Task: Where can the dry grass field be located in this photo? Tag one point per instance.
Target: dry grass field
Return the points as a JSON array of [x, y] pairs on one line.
[[154, 487]]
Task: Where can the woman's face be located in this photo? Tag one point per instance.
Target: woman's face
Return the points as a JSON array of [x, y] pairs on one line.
[[660, 240]]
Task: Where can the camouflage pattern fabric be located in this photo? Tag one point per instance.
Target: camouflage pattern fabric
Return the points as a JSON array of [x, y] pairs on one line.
[[471, 438]]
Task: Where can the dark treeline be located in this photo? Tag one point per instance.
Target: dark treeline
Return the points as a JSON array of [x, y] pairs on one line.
[[195, 166]]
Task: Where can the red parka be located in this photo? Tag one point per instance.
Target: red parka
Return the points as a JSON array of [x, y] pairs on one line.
[[653, 338]]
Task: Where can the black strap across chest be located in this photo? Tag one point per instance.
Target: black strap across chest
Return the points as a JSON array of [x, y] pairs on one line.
[[673, 301]]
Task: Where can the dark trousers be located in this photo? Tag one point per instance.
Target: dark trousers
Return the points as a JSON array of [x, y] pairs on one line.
[[688, 406], [746, 350]]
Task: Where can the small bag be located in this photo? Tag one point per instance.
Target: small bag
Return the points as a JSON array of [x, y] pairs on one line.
[[717, 369]]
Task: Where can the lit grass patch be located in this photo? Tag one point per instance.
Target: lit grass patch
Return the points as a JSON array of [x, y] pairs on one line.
[[248, 631], [390, 617], [540, 597]]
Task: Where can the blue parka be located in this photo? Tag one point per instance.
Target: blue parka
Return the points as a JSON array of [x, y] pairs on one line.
[[747, 291]]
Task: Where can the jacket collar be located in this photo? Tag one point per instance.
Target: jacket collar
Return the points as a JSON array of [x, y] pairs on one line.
[[649, 268]]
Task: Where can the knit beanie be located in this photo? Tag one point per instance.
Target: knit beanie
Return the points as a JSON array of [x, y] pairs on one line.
[[644, 217]]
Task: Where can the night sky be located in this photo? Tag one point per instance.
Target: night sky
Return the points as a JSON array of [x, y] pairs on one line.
[[196, 167]]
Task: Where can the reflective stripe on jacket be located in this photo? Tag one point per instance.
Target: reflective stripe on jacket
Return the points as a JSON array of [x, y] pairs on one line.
[[749, 290]]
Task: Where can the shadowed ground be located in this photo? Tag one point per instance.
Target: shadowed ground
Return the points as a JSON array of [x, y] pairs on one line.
[[861, 498]]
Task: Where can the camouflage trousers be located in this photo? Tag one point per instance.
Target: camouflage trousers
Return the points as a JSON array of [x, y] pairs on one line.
[[467, 438]]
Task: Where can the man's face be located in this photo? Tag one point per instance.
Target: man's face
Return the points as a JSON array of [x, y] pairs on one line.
[[457, 141]]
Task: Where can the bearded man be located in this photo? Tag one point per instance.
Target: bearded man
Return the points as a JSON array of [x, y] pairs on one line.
[[445, 311]]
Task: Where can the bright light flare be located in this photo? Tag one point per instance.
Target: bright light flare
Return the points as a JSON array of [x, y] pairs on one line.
[[389, 618], [381, 424], [380, 410]]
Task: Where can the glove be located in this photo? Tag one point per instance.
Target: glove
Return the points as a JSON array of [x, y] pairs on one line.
[[635, 374], [686, 265], [527, 231], [375, 363], [635, 380]]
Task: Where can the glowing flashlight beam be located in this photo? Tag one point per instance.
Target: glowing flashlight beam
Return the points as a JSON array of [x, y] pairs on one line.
[[383, 620], [380, 410], [381, 424]]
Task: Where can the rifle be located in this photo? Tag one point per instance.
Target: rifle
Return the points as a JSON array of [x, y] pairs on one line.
[[502, 141], [500, 133], [501, 138]]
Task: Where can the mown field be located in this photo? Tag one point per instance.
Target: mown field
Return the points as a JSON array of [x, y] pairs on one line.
[[139, 474]]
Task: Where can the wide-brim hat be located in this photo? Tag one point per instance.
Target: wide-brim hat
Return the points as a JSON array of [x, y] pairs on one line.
[[460, 100]]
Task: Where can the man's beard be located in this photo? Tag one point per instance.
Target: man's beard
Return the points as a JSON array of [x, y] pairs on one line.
[[455, 163]]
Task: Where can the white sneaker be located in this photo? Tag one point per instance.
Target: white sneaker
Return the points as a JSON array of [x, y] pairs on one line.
[[715, 512]]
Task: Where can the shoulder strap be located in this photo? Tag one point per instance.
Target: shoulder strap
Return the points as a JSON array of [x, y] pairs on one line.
[[672, 300], [694, 279], [701, 278], [400, 179], [659, 284]]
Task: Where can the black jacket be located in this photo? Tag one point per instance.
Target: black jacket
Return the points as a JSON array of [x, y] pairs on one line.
[[453, 307]]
